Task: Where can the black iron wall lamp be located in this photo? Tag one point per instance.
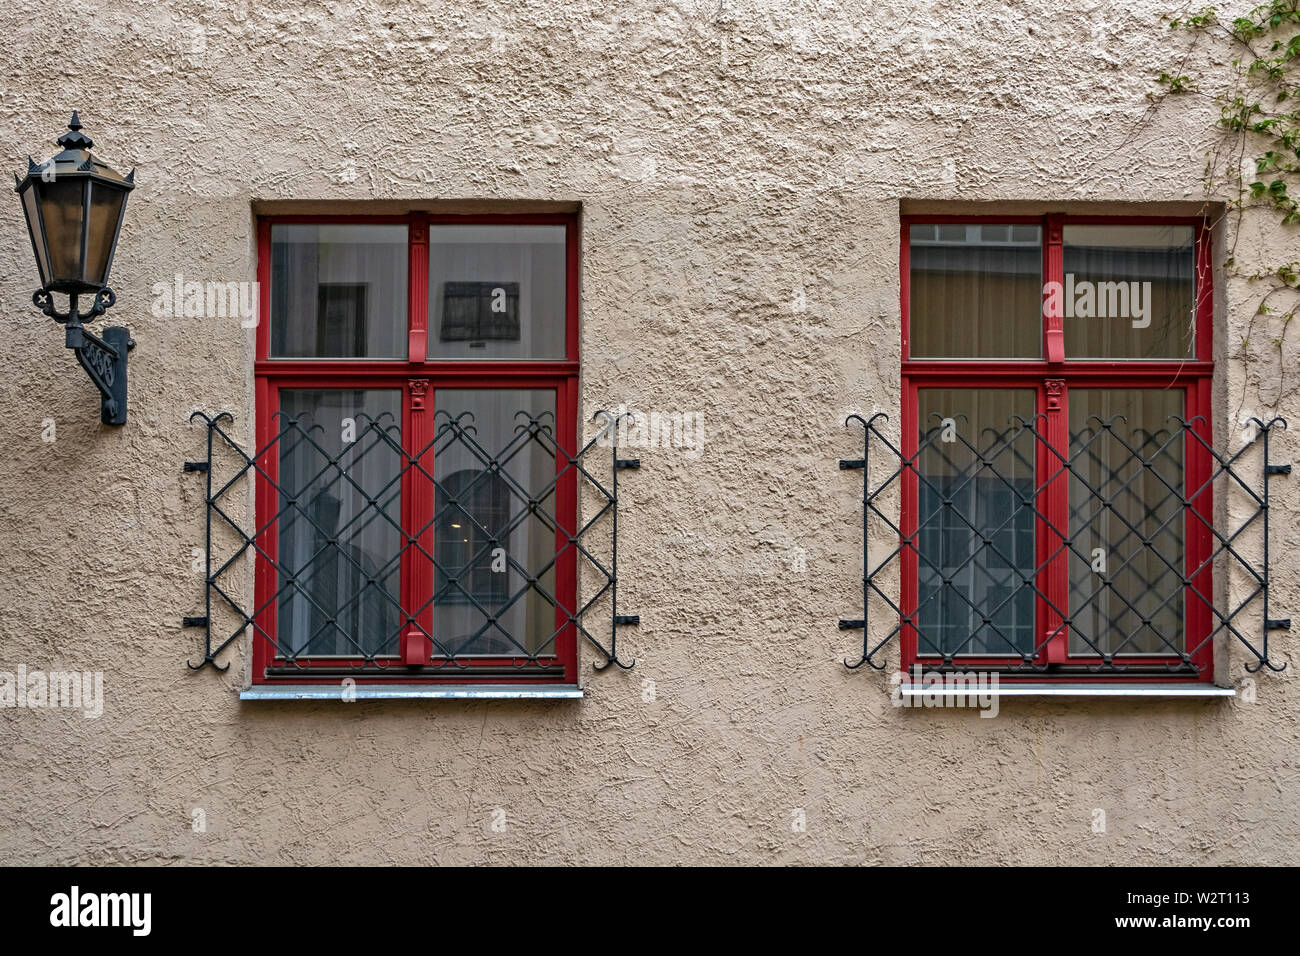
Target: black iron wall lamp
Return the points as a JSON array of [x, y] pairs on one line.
[[74, 205]]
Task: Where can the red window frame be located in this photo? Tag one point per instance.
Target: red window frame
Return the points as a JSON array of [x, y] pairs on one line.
[[1194, 376], [416, 577]]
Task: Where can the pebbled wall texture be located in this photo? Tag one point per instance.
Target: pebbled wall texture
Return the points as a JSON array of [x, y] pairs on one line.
[[740, 167]]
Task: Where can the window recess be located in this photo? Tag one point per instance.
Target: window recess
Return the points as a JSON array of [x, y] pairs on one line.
[[1047, 509], [423, 508]]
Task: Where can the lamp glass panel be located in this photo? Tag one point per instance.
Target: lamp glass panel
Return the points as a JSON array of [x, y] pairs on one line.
[[105, 213], [62, 202], [32, 212]]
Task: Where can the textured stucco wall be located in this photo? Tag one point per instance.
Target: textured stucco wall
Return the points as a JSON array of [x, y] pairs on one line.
[[727, 158]]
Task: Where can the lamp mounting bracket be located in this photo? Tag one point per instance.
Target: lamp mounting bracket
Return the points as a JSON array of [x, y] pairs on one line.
[[104, 359]]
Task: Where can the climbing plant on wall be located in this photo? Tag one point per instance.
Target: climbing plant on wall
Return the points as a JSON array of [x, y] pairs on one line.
[[1257, 159]]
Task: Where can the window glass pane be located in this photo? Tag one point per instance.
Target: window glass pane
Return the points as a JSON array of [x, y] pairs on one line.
[[1116, 504], [963, 578], [339, 554], [1130, 291], [338, 291], [976, 291], [497, 292], [488, 542]]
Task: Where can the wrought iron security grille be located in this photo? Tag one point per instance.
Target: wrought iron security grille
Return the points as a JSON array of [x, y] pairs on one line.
[[336, 608], [972, 552]]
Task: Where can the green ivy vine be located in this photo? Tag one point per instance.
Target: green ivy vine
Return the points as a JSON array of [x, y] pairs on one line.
[[1259, 153]]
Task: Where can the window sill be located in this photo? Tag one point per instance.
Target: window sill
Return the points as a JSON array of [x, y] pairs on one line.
[[412, 692], [1071, 690]]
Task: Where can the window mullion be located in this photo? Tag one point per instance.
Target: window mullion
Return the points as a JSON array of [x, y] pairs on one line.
[[1053, 506], [418, 289], [417, 520], [1053, 272], [417, 490]]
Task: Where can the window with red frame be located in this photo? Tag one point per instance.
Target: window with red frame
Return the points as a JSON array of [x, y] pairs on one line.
[[1056, 398], [417, 400]]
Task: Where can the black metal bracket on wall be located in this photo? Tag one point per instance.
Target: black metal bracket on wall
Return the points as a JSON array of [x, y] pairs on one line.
[[853, 624], [1227, 468], [210, 582], [1271, 470], [618, 464], [375, 436], [103, 360]]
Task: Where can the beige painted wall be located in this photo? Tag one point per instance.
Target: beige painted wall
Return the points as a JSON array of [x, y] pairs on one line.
[[725, 157]]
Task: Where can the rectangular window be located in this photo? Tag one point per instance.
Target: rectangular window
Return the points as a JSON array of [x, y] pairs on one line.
[[332, 540], [497, 291], [417, 406], [961, 581], [1057, 492], [976, 290], [338, 291]]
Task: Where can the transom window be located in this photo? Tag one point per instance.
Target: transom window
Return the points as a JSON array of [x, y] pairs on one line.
[[1056, 399], [417, 404]]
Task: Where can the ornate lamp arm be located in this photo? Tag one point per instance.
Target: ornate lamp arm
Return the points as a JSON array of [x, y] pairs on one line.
[[103, 359]]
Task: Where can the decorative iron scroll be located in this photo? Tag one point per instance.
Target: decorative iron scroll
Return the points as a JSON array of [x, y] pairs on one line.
[[104, 360], [1129, 619], [231, 541]]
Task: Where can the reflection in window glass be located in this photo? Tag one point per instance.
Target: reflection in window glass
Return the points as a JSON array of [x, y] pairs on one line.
[[339, 552], [496, 292], [1126, 596], [338, 291], [487, 540], [1129, 291], [976, 291], [962, 579]]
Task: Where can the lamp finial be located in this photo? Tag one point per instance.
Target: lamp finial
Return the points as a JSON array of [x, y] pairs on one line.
[[74, 138]]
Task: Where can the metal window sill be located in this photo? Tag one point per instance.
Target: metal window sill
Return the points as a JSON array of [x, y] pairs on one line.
[[1071, 690], [413, 692]]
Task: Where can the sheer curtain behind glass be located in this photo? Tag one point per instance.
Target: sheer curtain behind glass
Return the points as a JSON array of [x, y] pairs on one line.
[[975, 291], [1130, 291], [338, 291], [482, 518], [339, 554], [1126, 521], [961, 579], [496, 292]]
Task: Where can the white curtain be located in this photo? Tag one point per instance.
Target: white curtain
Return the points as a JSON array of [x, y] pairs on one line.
[[354, 578]]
